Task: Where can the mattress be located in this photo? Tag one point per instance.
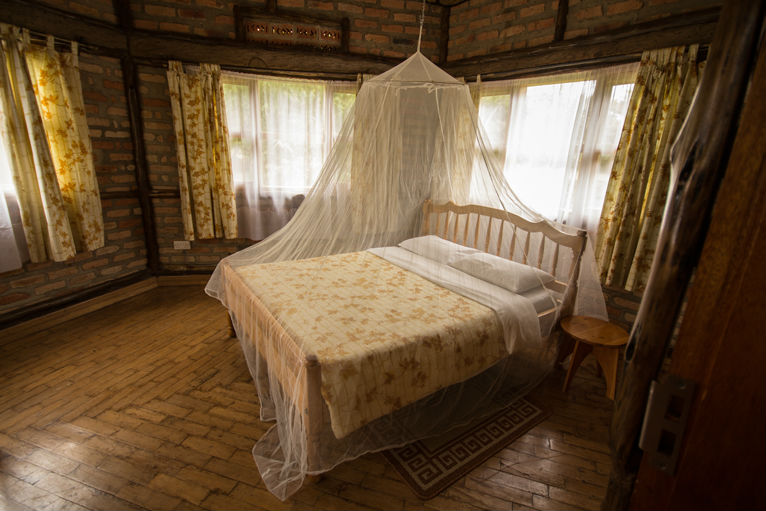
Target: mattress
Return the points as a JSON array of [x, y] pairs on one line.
[[384, 335]]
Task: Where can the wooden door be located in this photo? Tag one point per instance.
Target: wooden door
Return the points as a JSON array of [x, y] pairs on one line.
[[722, 341]]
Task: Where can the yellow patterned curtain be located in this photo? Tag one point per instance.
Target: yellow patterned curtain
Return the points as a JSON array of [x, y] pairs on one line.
[[640, 180], [204, 168], [56, 82], [43, 206]]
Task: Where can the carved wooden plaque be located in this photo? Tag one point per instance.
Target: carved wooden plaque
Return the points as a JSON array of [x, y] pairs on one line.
[[270, 27]]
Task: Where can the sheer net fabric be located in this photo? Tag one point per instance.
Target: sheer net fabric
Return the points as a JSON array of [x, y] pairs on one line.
[[357, 344]]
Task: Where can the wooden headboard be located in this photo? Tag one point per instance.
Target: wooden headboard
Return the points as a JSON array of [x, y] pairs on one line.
[[501, 233]]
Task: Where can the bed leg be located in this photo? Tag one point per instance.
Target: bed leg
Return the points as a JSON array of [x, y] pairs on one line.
[[314, 411], [566, 347], [232, 332], [312, 479]]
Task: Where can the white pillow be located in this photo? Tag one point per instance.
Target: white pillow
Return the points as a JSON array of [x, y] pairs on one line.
[[513, 276], [436, 248]]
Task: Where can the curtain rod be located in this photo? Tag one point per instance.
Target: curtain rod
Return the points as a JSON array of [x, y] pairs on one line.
[[290, 73], [351, 77], [61, 43], [552, 69], [163, 63], [555, 69]]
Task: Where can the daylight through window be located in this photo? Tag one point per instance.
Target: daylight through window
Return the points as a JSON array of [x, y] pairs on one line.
[[557, 136], [280, 133], [13, 245]]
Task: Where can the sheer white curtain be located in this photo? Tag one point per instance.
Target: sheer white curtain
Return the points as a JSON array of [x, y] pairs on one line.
[[280, 132], [13, 247], [557, 136]]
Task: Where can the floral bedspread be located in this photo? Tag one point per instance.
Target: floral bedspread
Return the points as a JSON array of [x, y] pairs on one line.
[[384, 336]]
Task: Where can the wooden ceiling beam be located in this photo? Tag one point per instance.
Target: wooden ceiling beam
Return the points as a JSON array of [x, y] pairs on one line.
[[446, 11], [561, 20], [229, 53], [619, 45], [96, 36]]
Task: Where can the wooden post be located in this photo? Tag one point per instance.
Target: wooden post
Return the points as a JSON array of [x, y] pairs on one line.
[[444, 34], [567, 304], [561, 20], [313, 414], [130, 80], [698, 162], [720, 344]]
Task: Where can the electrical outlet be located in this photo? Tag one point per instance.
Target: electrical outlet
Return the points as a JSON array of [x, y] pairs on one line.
[[182, 245]]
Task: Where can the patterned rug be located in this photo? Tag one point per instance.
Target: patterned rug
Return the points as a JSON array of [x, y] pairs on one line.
[[430, 466]]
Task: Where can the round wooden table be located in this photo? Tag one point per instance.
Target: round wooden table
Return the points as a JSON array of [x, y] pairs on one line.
[[584, 335]]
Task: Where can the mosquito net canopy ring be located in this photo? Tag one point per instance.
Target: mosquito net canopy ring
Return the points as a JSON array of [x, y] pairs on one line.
[[412, 291]]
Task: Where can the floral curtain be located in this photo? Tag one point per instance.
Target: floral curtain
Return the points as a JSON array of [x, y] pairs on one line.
[[640, 179], [45, 135], [204, 167], [56, 82]]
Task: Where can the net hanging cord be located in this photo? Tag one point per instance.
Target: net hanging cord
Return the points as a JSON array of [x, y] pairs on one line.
[[422, 19]]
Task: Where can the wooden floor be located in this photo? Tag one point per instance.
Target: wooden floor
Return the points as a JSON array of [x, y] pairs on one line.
[[147, 404]]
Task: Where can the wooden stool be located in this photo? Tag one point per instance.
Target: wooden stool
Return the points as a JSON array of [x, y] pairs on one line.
[[585, 335]]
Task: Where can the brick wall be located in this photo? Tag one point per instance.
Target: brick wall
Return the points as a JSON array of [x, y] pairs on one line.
[[481, 27], [124, 251], [587, 17], [160, 140], [99, 9], [377, 27], [159, 136]]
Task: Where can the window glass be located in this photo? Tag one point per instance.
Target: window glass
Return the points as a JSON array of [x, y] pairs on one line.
[[494, 112], [557, 136], [341, 104], [281, 130], [543, 127]]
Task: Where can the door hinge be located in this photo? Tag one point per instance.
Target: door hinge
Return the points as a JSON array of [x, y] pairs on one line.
[[665, 419]]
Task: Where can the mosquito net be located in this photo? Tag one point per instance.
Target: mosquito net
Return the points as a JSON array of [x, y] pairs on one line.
[[369, 320]]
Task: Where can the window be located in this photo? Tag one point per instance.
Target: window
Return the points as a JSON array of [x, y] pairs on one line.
[[280, 133], [557, 137], [13, 245]]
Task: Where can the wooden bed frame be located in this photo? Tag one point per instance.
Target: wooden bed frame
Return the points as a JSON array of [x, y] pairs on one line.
[[293, 368], [445, 220]]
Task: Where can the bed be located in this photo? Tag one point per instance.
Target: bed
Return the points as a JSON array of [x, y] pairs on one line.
[[351, 339]]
